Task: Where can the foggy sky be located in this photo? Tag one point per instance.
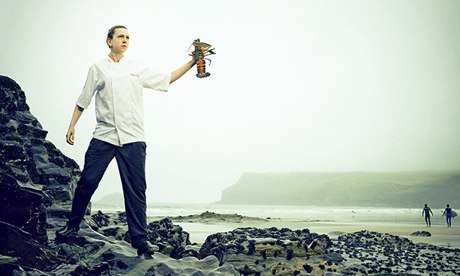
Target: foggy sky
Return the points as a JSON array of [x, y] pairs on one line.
[[295, 85]]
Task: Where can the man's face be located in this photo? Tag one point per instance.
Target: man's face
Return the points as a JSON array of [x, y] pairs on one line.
[[120, 41]]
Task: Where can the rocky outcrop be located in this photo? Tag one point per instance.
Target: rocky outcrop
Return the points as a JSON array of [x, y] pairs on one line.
[[26, 155], [211, 217], [254, 251], [369, 253], [34, 176], [169, 237]]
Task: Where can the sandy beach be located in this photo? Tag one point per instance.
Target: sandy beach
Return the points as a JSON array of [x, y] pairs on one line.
[[331, 221], [440, 235]]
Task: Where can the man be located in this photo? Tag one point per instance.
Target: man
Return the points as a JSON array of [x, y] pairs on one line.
[[448, 213], [426, 211], [117, 84]]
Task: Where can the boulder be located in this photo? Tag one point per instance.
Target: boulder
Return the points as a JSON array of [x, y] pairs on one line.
[[421, 234]]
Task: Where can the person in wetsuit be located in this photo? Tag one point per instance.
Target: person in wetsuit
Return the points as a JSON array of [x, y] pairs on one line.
[[448, 213], [427, 213]]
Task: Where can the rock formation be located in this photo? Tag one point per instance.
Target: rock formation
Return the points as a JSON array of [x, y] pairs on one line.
[[369, 253], [34, 177], [273, 251], [211, 217]]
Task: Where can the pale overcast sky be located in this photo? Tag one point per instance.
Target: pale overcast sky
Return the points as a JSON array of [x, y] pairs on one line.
[[295, 85]]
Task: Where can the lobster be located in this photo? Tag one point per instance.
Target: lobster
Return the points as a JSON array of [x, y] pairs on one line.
[[201, 50]]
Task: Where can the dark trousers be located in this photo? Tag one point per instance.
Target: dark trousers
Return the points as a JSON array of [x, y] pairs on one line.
[[131, 165]]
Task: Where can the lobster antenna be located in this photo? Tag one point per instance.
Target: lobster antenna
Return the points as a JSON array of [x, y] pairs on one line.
[[196, 40]]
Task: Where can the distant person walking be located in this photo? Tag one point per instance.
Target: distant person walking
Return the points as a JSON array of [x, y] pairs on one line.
[[448, 213], [426, 212]]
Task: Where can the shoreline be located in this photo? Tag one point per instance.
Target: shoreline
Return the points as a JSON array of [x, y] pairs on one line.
[[241, 244], [330, 221]]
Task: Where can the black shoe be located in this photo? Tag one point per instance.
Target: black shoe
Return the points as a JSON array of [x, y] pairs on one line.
[[147, 250], [67, 232]]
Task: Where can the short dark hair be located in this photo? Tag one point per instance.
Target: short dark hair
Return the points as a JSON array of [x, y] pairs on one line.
[[112, 30]]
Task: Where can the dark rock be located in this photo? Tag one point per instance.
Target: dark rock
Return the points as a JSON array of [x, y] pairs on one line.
[[23, 206], [211, 217], [98, 269], [171, 239], [289, 254], [34, 176], [421, 234], [266, 250], [26, 155], [30, 253], [308, 268], [333, 257], [8, 265], [30, 166], [393, 254], [100, 219], [164, 232]]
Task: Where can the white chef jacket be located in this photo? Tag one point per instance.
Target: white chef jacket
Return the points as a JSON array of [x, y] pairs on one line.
[[119, 103]]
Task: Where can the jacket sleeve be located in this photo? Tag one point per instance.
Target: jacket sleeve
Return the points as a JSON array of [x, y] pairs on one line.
[[155, 80], [89, 89]]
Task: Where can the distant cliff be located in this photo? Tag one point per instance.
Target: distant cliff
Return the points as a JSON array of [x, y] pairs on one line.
[[367, 189]]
